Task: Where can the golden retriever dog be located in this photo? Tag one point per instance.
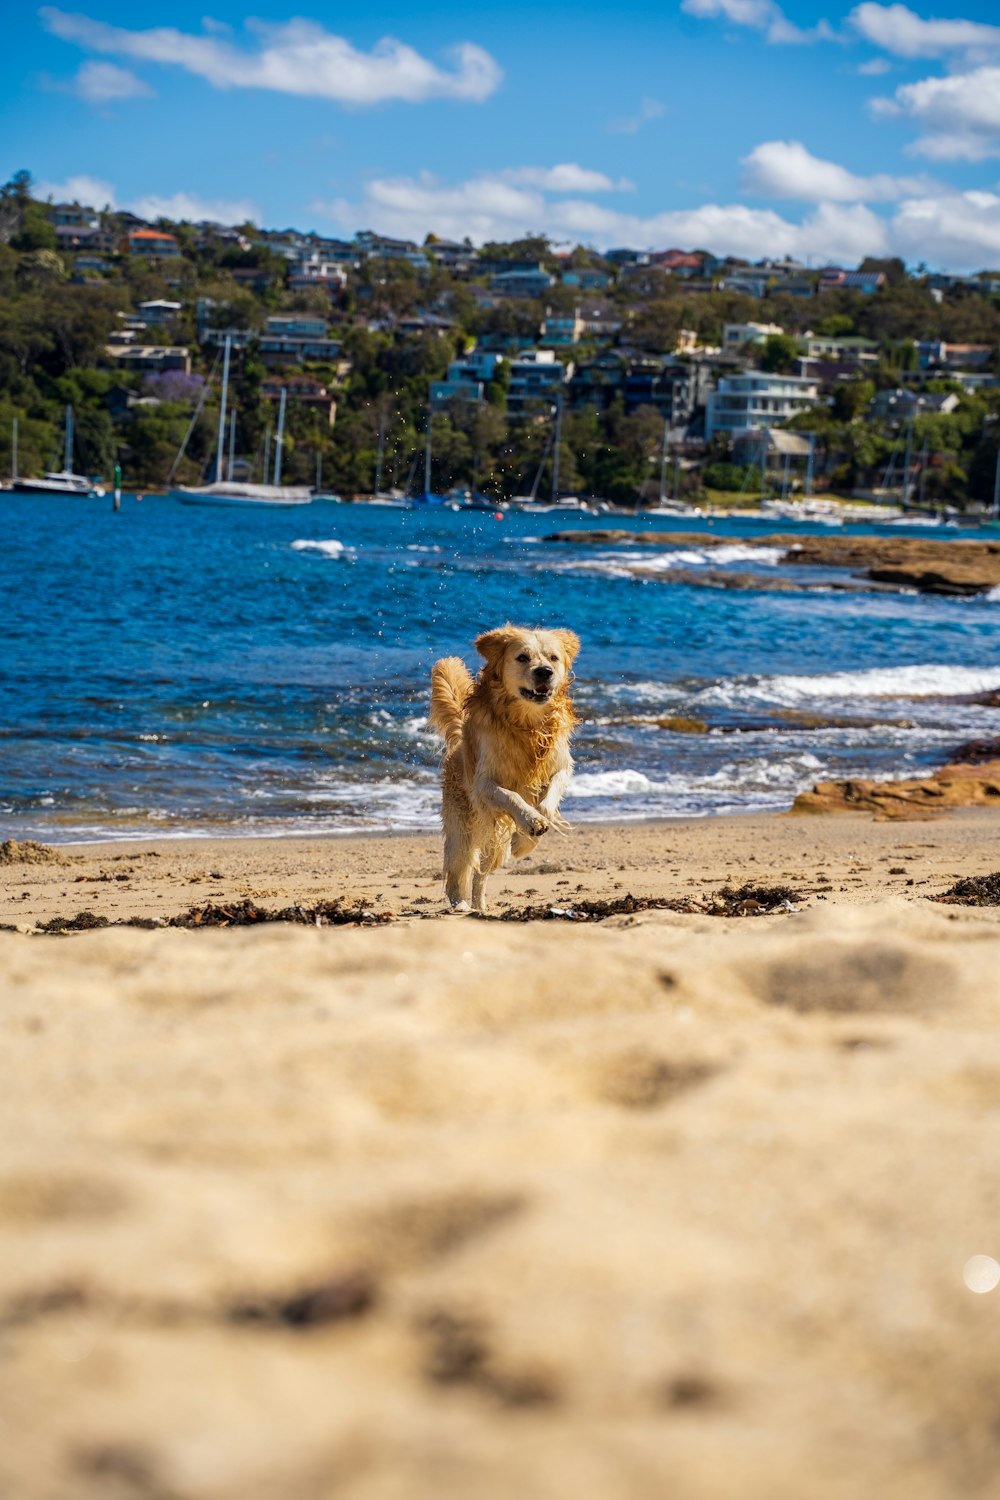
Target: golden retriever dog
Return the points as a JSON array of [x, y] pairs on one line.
[[508, 761]]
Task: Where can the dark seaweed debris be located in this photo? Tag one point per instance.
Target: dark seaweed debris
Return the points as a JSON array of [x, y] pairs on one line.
[[84, 921], [975, 890], [747, 901], [248, 914], [231, 914], [345, 1296], [752, 900]]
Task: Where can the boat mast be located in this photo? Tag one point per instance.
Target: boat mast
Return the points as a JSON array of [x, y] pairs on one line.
[[222, 411], [379, 453], [427, 456], [279, 440], [68, 459], [267, 453], [907, 461], [663, 461], [555, 449], [232, 443], [13, 451]]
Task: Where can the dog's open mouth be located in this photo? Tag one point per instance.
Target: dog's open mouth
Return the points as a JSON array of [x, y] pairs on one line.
[[536, 695]]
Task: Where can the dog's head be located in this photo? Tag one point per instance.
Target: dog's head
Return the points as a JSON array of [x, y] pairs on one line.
[[531, 666]]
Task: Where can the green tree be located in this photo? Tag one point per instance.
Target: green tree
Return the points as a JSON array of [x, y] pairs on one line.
[[779, 354]]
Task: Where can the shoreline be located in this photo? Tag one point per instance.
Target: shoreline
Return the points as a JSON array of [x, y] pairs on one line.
[[838, 858]]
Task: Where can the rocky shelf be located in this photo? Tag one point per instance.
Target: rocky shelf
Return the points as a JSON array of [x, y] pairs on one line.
[[930, 566]]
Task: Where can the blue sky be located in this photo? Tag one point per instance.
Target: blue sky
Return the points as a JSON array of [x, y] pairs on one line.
[[738, 125]]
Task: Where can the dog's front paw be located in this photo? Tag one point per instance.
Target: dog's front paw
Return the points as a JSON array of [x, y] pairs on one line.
[[538, 825]]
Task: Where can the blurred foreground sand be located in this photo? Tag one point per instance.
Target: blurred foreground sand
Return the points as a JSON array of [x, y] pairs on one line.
[[671, 1205]]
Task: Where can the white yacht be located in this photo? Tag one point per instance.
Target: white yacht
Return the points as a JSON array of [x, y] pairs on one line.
[[232, 491], [62, 481]]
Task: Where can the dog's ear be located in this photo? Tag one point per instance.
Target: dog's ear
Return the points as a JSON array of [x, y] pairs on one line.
[[570, 643], [494, 643]]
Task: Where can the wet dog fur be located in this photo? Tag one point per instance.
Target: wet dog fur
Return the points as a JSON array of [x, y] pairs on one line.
[[508, 762]]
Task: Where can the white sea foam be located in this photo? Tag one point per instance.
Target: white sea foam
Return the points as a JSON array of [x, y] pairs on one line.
[[627, 783], [715, 557], [925, 681], [628, 564], [328, 548]]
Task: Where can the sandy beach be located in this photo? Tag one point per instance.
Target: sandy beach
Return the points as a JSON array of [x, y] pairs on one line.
[[664, 1204]]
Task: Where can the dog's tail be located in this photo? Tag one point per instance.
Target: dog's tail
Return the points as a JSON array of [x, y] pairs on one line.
[[451, 685]]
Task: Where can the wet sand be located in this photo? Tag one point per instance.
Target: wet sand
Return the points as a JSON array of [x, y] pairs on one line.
[[669, 1204]]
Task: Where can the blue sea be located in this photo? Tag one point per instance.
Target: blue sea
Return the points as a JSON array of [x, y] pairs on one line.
[[177, 671]]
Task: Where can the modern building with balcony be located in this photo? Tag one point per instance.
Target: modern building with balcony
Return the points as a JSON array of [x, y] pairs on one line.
[[467, 378], [536, 379], [755, 399], [292, 340]]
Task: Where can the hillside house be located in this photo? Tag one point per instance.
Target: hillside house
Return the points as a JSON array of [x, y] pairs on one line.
[[735, 335], [295, 339], [153, 244], [536, 376], [467, 378], [755, 399], [304, 389]]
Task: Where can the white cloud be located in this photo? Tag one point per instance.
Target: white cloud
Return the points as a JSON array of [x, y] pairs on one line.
[[487, 208], [961, 113], [758, 15], [785, 169], [899, 30], [297, 57], [567, 177], [90, 192], [874, 67], [957, 231], [649, 109], [103, 82], [189, 206]]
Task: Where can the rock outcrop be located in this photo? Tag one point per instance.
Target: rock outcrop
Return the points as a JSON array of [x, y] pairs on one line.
[[929, 565], [953, 786]]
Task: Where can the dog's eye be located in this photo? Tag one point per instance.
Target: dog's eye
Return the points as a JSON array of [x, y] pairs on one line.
[[524, 656], [553, 658]]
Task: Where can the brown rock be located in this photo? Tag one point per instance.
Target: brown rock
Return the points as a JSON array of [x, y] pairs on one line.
[[931, 565], [952, 786]]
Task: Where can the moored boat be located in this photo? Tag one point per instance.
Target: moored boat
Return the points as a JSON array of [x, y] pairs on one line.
[[231, 491], [57, 481]]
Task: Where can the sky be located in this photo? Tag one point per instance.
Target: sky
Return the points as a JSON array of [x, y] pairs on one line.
[[740, 126]]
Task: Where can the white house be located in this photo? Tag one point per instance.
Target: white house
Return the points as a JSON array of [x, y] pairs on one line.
[[735, 335], [756, 399]]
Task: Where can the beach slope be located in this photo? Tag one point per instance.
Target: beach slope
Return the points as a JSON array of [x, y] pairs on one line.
[[672, 1203]]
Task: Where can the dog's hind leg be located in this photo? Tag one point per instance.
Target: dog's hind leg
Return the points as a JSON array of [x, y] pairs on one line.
[[522, 844], [459, 859], [489, 860], [479, 879]]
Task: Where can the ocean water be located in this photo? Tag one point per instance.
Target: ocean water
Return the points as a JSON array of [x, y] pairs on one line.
[[176, 671]]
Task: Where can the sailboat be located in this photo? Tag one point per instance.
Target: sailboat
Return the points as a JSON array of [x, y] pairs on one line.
[[557, 501], [230, 491], [61, 482], [428, 496]]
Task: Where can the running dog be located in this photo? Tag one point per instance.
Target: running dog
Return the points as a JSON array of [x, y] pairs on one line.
[[508, 762]]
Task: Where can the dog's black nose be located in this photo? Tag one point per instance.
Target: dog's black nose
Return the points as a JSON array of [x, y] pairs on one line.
[[541, 674]]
